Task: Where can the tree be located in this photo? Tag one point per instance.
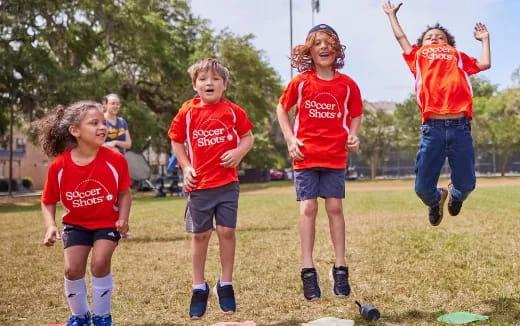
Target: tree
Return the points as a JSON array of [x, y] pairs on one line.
[[482, 87], [407, 121], [377, 135]]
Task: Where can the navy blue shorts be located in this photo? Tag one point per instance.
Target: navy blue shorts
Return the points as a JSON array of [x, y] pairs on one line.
[[319, 182], [203, 205], [74, 235]]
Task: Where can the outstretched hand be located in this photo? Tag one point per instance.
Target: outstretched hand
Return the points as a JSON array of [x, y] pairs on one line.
[[391, 8], [480, 32]]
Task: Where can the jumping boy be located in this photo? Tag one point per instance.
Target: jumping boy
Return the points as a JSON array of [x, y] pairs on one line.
[[327, 120], [444, 96], [210, 136]]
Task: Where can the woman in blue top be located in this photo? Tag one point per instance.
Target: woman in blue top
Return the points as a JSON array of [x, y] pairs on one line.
[[118, 136]]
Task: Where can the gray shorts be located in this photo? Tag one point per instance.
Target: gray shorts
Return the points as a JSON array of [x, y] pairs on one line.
[[203, 205], [74, 235], [319, 182]]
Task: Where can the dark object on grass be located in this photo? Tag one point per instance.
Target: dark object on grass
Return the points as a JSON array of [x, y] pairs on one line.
[[369, 312]]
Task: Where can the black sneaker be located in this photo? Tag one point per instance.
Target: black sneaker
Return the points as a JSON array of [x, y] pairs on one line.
[[454, 205], [435, 212], [199, 303], [311, 286], [226, 298], [339, 278]]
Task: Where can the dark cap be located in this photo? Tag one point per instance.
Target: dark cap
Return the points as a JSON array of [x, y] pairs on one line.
[[323, 27]]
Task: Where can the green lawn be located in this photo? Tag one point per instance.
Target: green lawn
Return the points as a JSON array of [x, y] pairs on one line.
[[410, 271]]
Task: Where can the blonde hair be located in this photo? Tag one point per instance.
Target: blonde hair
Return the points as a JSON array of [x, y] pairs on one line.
[[208, 64], [301, 59]]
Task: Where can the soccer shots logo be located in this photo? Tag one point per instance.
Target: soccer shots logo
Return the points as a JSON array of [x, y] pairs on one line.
[[323, 106], [437, 53], [211, 136], [87, 193]]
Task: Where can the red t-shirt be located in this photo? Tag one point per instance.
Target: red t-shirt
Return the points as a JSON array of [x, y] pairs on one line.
[[324, 109], [208, 132], [442, 83], [88, 193]]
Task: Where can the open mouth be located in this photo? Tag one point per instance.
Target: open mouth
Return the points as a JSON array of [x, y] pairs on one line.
[[209, 91]]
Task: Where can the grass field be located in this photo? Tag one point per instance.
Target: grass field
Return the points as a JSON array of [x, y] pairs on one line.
[[410, 271]]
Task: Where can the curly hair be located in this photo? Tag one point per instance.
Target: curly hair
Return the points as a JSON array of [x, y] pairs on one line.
[[449, 37], [53, 129], [301, 59]]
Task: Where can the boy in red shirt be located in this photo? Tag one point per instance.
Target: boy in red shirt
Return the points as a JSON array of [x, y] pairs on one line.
[[93, 184], [210, 136], [444, 96], [327, 120]]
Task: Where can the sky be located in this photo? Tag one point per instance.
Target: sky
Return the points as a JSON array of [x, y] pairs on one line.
[[373, 56]]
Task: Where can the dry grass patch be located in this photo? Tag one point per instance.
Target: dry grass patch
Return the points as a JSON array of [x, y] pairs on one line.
[[409, 270]]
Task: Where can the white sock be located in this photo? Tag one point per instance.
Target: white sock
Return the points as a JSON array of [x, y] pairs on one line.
[[101, 295], [76, 293], [225, 283], [199, 286]]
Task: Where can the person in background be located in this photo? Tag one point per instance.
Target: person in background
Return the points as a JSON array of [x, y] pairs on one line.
[[118, 136]]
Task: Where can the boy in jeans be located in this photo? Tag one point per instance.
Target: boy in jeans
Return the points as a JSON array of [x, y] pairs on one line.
[[444, 95], [210, 136]]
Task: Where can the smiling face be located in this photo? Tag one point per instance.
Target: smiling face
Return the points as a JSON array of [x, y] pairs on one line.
[[210, 86], [112, 105], [322, 52], [91, 129], [434, 36]]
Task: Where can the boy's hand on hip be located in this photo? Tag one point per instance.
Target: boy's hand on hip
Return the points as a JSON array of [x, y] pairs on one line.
[[353, 143], [293, 145]]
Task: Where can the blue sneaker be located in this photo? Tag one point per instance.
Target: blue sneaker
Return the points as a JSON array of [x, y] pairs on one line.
[[75, 320], [226, 298], [199, 303], [102, 320]]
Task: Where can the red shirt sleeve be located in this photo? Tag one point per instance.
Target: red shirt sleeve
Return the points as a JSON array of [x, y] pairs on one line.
[[177, 131], [410, 59], [290, 94], [243, 124], [469, 64], [355, 101], [51, 189]]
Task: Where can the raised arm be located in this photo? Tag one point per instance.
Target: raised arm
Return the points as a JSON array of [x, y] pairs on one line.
[[481, 33], [391, 10]]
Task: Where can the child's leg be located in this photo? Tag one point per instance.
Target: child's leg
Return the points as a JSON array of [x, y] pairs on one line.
[[199, 251], [334, 208], [461, 157], [75, 285], [430, 159], [308, 212], [101, 277], [227, 243]]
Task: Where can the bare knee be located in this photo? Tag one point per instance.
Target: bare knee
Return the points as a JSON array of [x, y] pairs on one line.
[[202, 236], [74, 272], [100, 266], [225, 233], [309, 208]]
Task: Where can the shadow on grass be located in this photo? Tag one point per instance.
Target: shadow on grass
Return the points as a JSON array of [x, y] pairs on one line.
[[504, 309], [412, 316], [157, 239], [263, 229], [15, 208]]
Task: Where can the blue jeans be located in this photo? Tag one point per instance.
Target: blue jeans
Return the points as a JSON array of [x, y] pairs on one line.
[[449, 138]]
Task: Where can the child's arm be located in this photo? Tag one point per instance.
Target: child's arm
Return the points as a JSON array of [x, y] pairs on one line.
[[353, 140], [293, 143], [51, 230], [391, 10], [481, 33], [232, 158], [124, 201], [188, 171]]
